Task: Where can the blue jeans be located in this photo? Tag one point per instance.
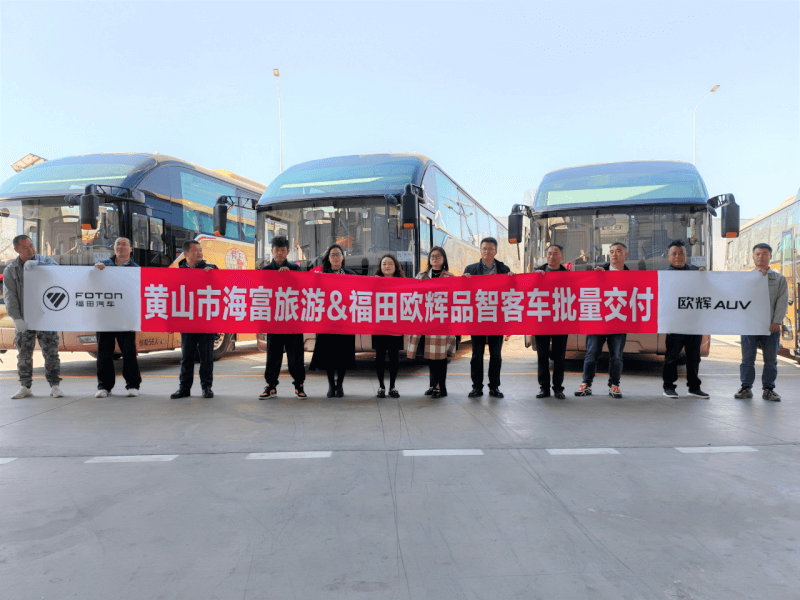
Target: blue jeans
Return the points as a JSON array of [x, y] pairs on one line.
[[594, 346], [769, 347]]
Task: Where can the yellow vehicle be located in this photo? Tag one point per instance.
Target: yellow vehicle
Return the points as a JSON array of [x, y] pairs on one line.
[[157, 201], [780, 228]]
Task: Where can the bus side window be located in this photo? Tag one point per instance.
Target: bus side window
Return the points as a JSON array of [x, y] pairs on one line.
[[248, 222], [140, 229], [156, 235]]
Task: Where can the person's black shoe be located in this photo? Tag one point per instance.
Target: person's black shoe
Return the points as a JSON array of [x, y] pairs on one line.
[[207, 393], [560, 395], [180, 394], [497, 393], [439, 393], [339, 391], [331, 392], [543, 393], [475, 393], [671, 393], [429, 391], [381, 392]]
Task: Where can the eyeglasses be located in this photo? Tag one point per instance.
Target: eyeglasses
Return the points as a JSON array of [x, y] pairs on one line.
[[334, 254], [436, 257]]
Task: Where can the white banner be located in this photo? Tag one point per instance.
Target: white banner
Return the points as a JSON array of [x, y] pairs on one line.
[[83, 299], [724, 303]]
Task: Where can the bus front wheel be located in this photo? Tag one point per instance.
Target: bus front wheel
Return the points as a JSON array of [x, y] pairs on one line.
[[223, 343]]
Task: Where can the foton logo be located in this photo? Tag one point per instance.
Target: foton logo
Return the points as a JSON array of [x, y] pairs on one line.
[[56, 298]]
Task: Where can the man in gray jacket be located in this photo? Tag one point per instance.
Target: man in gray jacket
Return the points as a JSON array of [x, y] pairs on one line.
[[779, 303], [25, 339]]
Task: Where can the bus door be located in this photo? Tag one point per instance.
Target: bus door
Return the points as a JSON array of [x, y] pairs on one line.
[[787, 258]]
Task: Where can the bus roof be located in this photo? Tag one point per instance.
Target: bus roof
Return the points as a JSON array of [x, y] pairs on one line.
[[71, 174], [348, 176], [788, 202], [621, 183]]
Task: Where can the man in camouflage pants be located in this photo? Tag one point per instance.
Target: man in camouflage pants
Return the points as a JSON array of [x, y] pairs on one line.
[[25, 339]]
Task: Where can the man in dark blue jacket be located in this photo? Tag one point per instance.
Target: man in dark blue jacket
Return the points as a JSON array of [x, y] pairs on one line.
[[106, 340], [277, 342], [487, 266], [201, 343], [676, 342]]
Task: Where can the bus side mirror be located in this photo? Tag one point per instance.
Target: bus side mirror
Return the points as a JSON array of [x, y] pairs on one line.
[[409, 204], [221, 216], [515, 223], [89, 208], [729, 216]]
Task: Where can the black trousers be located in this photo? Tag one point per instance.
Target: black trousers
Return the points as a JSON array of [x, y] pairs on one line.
[[203, 345], [676, 342], [495, 359], [438, 370], [293, 344], [545, 354], [106, 340]]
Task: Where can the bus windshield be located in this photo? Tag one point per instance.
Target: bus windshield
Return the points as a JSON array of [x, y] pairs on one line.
[[365, 233], [68, 175], [587, 236], [346, 174], [55, 229], [621, 183]]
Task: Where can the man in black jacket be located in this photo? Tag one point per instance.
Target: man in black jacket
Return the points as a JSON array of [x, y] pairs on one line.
[[276, 342], [107, 340], [487, 266], [200, 343], [678, 341], [618, 252], [555, 254]]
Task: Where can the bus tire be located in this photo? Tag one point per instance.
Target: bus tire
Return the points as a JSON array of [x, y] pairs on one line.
[[223, 343]]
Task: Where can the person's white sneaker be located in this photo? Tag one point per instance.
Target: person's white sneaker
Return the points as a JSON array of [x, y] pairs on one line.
[[56, 392], [23, 392], [101, 394], [133, 392]]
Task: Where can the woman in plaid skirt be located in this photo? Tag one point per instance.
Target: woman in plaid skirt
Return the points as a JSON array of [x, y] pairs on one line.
[[436, 347]]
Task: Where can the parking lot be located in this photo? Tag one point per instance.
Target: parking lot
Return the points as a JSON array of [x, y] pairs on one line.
[[232, 497]]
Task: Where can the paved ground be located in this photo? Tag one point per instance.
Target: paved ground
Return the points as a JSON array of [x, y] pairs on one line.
[[652, 507]]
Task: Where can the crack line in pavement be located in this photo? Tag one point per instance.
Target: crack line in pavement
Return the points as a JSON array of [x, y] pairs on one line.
[[393, 491], [531, 471], [43, 412]]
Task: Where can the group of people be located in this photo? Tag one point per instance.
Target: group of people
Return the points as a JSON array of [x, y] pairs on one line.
[[554, 347], [335, 353]]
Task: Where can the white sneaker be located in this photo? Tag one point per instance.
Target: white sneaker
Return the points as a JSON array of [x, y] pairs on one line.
[[101, 394], [56, 392], [23, 392], [133, 392]]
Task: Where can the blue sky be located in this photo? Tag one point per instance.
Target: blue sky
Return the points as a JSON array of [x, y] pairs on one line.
[[497, 93]]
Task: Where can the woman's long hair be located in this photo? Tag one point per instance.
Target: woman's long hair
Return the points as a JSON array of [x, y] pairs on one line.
[[440, 250], [326, 261], [398, 270]]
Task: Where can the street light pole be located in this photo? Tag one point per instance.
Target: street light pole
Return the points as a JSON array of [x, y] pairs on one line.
[[280, 120], [694, 116]]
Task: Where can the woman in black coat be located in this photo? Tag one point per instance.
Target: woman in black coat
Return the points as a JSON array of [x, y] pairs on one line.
[[388, 267], [333, 352]]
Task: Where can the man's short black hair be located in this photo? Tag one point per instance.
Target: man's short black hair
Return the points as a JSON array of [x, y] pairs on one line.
[[488, 240], [18, 239], [561, 248], [188, 245], [619, 244], [763, 246], [678, 243], [280, 241]]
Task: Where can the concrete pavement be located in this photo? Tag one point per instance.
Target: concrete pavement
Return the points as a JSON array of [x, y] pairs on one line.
[[620, 513]]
